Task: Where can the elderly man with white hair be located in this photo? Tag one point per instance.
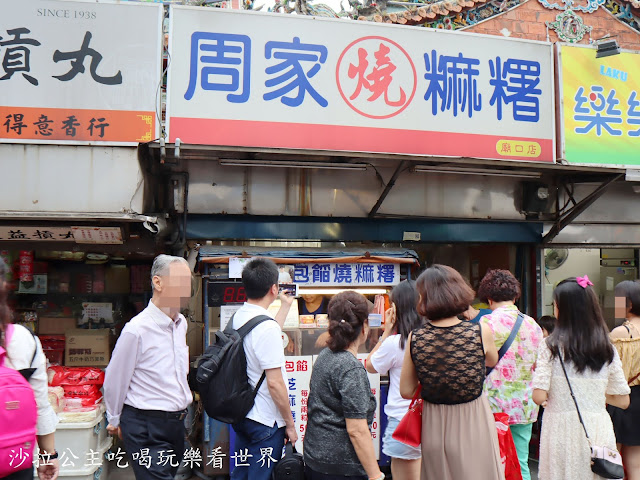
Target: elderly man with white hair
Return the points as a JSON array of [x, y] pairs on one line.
[[145, 387]]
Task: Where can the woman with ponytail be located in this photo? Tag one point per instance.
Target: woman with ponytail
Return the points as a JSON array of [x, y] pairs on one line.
[[338, 442]]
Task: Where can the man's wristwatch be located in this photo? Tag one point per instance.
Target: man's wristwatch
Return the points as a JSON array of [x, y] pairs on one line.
[[45, 457]]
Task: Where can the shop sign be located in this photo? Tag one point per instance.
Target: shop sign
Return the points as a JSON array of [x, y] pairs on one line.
[[600, 98], [68, 75], [298, 380], [282, 81], [346, 274], [39, 233], [98, 235]]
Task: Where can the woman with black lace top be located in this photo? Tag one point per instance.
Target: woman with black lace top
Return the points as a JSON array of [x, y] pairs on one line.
[[447, 357]]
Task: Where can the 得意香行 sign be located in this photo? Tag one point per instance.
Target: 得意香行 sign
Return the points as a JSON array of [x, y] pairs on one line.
[[601, 106], [265, 80], [79, 72]]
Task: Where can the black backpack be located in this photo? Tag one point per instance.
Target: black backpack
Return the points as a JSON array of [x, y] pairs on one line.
[[291, 466], [222, 378]]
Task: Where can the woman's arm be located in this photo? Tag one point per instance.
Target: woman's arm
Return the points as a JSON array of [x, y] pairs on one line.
[[490, 350], [540, 396], [389, 324], [409, 376], [620, 401], [362, 442]]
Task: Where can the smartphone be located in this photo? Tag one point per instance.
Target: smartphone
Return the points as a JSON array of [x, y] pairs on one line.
[[289, 289]]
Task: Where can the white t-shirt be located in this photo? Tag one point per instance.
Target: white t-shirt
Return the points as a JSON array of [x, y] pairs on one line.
[[19, 356], [264, 350], [389, 358]]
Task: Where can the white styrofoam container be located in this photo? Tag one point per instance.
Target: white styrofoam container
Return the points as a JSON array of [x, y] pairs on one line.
[[76, 440], [88, 472]]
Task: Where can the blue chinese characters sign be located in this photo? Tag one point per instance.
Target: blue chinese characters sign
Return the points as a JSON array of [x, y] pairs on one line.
[[347, 274], [281, 81]]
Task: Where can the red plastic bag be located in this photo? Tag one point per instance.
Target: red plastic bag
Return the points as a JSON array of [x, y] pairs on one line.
[[508, 453], [81, 391], [75, 376]]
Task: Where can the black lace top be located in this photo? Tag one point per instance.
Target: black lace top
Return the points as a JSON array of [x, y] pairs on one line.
[[449, 362]]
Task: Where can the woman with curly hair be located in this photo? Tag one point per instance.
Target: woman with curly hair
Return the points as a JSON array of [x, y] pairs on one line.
[[508, 385]]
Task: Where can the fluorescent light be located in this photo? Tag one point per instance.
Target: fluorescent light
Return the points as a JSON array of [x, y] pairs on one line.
[[632, 175], [335, 291], [477, 171], [287, 164], [606, 48]]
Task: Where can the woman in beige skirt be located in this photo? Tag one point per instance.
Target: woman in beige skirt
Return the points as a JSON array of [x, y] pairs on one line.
[[447, 357]]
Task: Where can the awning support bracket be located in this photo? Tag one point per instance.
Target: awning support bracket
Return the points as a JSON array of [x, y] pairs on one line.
[[565, 219], [388, 188]]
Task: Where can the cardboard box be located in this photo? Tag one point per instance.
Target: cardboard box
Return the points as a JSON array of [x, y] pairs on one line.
[[55, 325], [117, 280], [87, 348]]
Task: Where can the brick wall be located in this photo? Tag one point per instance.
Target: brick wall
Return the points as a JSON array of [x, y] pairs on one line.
[[528, 21]]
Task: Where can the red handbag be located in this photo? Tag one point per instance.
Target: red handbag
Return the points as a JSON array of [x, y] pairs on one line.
[[409, 430]]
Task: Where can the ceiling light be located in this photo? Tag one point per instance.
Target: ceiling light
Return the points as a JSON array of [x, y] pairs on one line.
[[477, 171], [287, 164]]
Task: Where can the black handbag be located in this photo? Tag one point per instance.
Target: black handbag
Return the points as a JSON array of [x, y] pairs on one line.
[[290, 466], [605, 462]]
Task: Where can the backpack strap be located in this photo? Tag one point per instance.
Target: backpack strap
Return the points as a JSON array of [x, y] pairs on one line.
[[27, 372], [243, 331]]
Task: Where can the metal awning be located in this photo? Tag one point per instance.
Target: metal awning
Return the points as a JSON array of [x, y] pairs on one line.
[[221, 254], [561, 177], [73, 216]]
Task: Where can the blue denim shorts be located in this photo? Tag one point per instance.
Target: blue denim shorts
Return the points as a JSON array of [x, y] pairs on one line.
[[395, 449]]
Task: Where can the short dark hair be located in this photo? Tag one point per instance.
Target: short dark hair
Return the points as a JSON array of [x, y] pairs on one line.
[[499, 286], [405, 298], [548, 322], [443, 293], [258, 276], [581, 334], [630, 290], [348, 312]]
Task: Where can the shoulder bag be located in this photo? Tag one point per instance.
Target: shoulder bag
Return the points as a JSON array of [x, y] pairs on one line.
[[605, 462], [506, 345], [409, 430]]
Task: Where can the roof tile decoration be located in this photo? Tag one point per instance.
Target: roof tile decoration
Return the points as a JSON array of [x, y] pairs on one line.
[[455, 14]]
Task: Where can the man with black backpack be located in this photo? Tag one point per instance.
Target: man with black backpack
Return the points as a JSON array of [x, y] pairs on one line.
[[261, 435]]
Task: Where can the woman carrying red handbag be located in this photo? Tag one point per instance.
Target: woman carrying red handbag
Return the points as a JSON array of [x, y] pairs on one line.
[[447, 358]]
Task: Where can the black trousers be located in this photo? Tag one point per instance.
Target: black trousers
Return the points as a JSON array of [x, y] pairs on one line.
[[155, 445]]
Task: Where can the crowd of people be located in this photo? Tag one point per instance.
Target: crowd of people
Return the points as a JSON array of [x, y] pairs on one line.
[[465, 364]]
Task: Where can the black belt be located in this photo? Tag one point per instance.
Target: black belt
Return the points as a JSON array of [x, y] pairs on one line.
[[159, 413]]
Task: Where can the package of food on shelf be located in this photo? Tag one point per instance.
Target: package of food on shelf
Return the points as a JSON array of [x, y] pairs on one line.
[[322, 320], [307, 321], [56, 398], [75, 376], [80, 414], [76, 404]]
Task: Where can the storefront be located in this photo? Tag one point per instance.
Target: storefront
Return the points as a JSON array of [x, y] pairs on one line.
[[601, 239], [318, 273]]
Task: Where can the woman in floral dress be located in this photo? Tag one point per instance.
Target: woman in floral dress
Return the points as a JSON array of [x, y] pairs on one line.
[[581, 339], [508, 386]]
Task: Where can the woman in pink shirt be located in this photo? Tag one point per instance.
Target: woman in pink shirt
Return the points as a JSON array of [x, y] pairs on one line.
[[508, 386]]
